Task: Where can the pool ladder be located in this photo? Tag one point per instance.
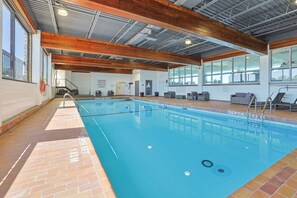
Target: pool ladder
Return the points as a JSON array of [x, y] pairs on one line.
[[64, 98], [253, 100], [269, 99]]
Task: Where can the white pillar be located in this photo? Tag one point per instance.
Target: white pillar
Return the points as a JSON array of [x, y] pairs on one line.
[[37, 64], [264, 77], [200, 78], [1, 95]]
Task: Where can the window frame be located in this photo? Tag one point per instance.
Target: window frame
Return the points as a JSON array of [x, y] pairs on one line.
[[182, 79], [290, 67], [232, 73], [13, 20]]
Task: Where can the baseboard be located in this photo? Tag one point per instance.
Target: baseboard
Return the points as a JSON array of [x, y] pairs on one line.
[[7, 125]]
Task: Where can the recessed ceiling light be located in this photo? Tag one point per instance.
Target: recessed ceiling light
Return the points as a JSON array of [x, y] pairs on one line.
[[62, 12], [296, 2], [188, 42]]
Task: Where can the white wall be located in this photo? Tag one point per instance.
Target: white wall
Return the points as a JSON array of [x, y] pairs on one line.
[[82, 81], [17, 96], [111, 80]]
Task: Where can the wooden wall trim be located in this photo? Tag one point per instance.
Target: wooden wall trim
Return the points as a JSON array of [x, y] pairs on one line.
[[22, 9]]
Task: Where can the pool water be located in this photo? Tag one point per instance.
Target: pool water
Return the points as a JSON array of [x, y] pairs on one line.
[[152, 150]]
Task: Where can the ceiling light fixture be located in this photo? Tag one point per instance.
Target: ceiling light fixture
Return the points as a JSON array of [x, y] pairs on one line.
[[188, 42], [62, 12], [296, 2]]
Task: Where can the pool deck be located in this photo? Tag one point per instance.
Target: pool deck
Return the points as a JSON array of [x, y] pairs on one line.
[[50, 155]]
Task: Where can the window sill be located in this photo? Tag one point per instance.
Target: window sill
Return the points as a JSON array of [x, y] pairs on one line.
[[233, 84], [283, 83], [22, 81], [183, 85]]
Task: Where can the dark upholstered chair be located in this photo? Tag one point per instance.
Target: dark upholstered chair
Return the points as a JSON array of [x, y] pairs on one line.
[[241, 98], [169, 94], [204, 96]]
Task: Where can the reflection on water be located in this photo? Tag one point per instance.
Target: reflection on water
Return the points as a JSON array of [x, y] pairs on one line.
[[159, 150]]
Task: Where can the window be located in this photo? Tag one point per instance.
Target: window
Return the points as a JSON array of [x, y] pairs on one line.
[[15, 41], [241, 69], [284, 64], [6, 60], [183, 76]]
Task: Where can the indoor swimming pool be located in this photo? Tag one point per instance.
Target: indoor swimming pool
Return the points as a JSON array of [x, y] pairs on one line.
[[156, 150]]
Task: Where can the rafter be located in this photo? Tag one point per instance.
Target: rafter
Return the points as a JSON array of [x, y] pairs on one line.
[[92, 69], [74, 44], [224, 55], [283, 43], [103, 63]]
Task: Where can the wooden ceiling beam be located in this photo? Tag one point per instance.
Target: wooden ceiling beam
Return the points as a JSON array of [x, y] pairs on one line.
[[283, 43], [103, 63], [22, 9], [224, 55], [74, 44], [167, 15], [92, 69]]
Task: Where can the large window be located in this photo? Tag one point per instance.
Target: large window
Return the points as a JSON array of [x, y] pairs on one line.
[[284, 64], [183, 76], [14, 47], [241, 69]]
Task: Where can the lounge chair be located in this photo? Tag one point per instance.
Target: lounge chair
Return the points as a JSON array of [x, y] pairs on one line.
[[277, 100], [292, 106]]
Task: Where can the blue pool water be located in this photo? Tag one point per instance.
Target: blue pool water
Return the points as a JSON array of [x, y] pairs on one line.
[[149, 150]]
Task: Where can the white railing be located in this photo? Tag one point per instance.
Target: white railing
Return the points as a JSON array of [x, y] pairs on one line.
[[64, 98], [269, 99], [254, 99]]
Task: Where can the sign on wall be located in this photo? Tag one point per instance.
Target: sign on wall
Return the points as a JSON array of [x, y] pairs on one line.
[[101, 83]]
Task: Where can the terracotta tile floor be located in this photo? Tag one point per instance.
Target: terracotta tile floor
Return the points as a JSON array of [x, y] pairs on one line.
[[226, 107], [50, 155], [53, 141]]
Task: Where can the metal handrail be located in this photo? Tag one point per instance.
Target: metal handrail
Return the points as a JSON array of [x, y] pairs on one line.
[[65, 82], [269, 99], [64, 97], [254, 98]]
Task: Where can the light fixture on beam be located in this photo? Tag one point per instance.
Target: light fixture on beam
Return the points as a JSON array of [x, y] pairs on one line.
[[62, 12], [188, 42]]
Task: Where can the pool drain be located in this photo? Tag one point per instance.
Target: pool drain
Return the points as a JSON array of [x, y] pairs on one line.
[[207, 163], [221, 170]]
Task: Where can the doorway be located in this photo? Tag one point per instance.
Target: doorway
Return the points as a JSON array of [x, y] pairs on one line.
[[148, 87], [137, 88]]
